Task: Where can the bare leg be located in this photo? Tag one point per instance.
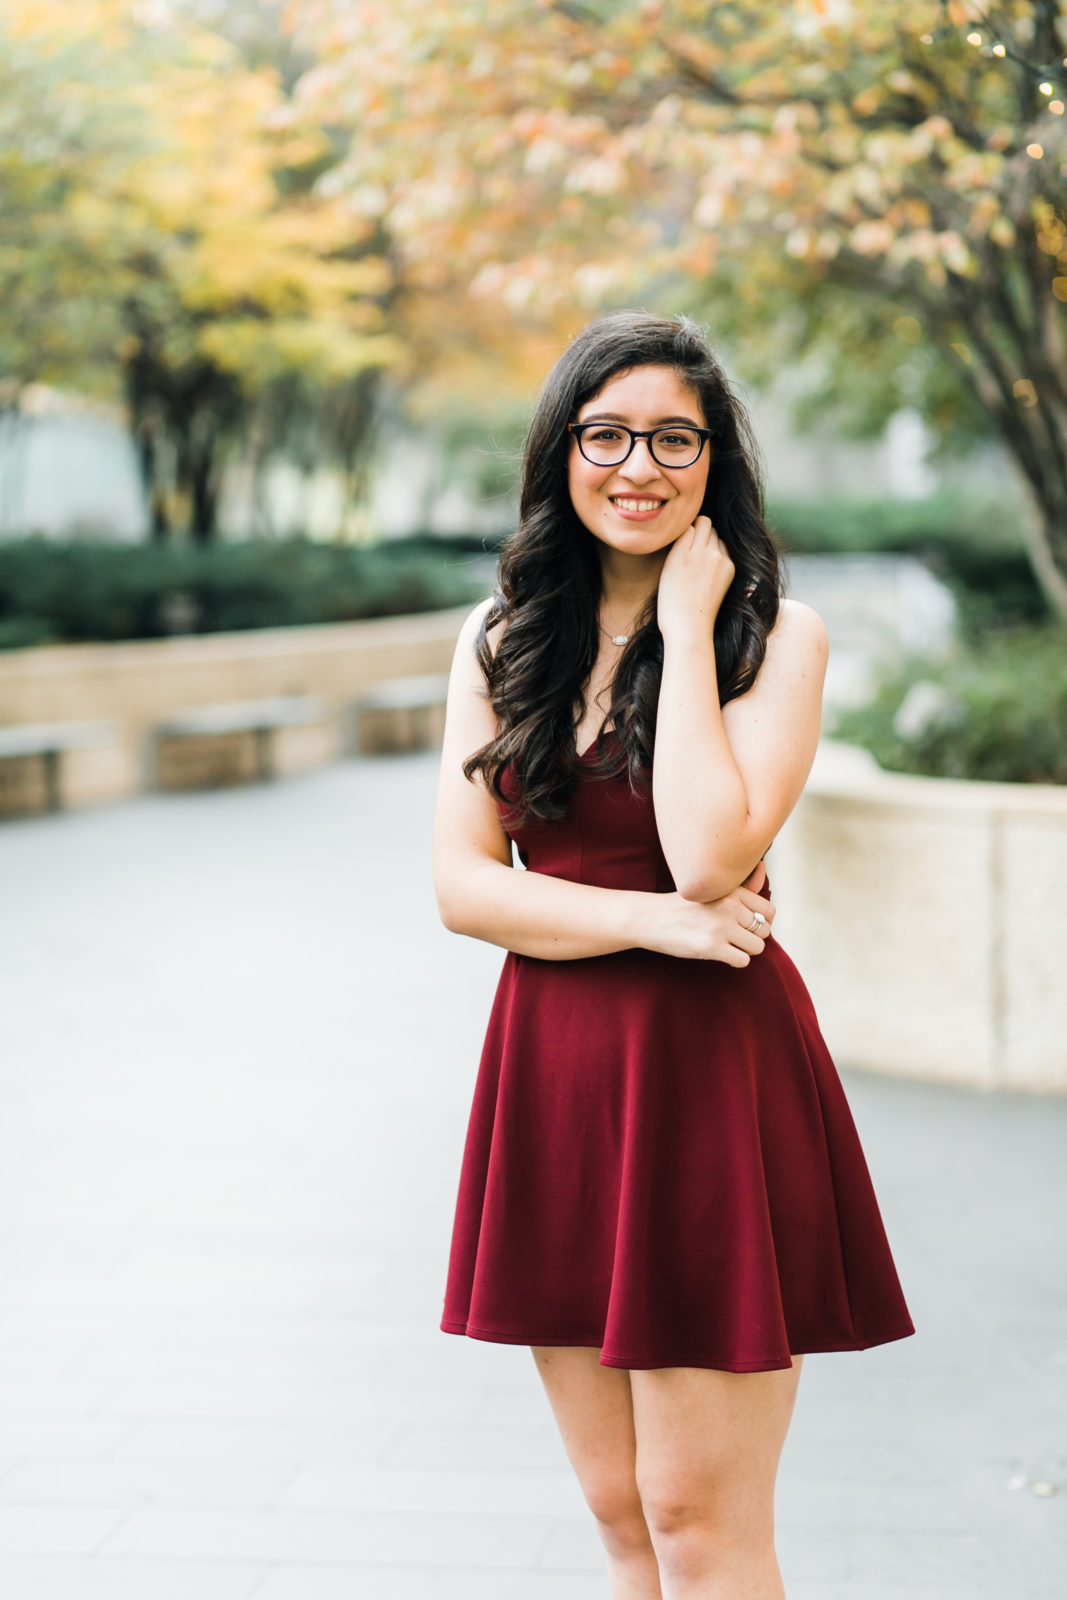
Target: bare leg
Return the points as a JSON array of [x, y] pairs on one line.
[[708, 1445], [592, 1405]]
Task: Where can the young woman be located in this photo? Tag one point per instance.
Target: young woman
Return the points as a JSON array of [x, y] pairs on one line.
[[663, 1192]]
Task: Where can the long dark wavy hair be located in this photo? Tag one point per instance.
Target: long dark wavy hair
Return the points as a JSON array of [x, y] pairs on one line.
[[549, 581]]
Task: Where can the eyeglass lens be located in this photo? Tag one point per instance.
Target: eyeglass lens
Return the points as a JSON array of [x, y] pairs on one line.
[[607, 444]]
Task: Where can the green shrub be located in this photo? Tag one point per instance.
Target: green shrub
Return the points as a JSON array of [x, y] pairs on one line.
[[1005, 716], [81, 591]]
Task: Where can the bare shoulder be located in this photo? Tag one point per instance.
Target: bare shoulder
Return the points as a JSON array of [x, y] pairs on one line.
[[472, 626], [466, 669], [799, 628], [793, 669], [472, 623]]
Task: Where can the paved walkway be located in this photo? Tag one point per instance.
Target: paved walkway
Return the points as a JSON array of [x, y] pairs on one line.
[[236, 1054]]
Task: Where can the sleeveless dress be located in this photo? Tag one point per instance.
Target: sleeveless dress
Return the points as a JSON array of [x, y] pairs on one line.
[[661, 1162]]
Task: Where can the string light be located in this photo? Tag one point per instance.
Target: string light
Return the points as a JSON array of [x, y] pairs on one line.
[[1035, 150], [1046, 88], [999, 50], [974, 38]]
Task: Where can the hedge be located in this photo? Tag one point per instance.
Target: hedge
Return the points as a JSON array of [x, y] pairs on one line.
[[51, 592], [1002, 713]]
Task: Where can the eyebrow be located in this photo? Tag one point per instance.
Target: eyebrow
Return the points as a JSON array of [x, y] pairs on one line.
[[613, 416]]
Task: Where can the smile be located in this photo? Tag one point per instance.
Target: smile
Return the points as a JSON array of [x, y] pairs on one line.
[[632, 505]]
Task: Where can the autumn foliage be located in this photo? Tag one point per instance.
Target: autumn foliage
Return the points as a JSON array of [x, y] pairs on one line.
[[883, 182]]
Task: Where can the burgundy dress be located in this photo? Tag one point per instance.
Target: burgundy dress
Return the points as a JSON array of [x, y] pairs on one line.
[[661, 1162]]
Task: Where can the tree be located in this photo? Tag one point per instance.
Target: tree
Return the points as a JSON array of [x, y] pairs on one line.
[[881, 184], [188, 248]]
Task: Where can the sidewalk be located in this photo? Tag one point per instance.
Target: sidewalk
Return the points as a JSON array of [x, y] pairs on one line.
[[236, 1056]]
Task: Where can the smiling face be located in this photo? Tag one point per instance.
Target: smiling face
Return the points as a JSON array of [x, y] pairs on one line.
[[639, 507]]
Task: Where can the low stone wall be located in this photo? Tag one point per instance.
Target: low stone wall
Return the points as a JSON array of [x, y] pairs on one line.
[[929, 920], [139, 683]]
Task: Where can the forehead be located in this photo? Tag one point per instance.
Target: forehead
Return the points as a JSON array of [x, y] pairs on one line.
[[645, 395]]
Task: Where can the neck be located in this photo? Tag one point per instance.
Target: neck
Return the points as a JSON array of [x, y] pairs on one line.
[[627, 582]]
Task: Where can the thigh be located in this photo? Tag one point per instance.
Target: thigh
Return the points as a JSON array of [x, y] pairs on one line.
[[593, 1409], [708, 1443]]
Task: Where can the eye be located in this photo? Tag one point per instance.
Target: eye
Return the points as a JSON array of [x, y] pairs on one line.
[[603, 434]]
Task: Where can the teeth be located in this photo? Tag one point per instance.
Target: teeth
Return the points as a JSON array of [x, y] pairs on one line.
[[637, 505]]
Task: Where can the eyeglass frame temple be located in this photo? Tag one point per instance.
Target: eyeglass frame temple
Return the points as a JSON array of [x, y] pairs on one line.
[[578, 428]]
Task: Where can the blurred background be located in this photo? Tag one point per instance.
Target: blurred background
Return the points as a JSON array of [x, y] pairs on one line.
[[278, 285]]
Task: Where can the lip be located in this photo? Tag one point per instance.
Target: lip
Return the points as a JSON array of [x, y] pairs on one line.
[[637, 516]]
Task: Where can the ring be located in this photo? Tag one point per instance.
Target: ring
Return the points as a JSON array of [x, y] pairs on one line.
[[758, 921]]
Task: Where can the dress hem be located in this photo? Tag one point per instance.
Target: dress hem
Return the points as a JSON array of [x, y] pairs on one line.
[[645, 1364]]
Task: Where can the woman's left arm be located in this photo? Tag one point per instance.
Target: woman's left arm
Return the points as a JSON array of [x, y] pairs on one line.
[[725, 779]]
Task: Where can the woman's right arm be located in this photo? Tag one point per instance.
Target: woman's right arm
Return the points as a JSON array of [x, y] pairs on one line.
[[480, 893]]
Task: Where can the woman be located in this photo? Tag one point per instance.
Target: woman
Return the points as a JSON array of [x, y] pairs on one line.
[[663, 1192]]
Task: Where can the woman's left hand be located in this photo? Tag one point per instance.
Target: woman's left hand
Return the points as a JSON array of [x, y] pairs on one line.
[[693, 581]]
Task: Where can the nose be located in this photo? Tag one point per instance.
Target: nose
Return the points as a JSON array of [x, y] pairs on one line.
[[639, 466]]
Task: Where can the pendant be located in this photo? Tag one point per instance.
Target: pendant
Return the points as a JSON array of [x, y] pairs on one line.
[[620, 638]]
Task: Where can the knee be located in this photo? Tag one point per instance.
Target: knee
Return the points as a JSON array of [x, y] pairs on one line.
[[616, 1505], [673, 1511], [697, 1526]]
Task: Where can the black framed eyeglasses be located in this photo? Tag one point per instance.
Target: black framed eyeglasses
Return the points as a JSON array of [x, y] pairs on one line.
[[608, 444]]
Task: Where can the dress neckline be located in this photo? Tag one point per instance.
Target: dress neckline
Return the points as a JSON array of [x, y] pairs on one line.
[[590, 749]]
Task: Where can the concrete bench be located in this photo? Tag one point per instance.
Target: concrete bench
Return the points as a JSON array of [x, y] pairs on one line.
[[415, 704], [262, 718], [49, 741]]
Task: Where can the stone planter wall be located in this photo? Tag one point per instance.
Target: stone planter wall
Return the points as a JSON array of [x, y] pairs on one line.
[[137, 684], [928, 918]]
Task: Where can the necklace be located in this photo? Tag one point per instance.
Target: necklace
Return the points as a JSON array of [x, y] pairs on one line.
[[616, 638]]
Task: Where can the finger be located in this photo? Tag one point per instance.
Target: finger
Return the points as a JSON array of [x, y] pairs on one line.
[[761, 931], [756, 877], [734, 957], [757, 902], [744, 940]]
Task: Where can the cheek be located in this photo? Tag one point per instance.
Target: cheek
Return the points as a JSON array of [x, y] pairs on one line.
[[697, 490], [583, 480]]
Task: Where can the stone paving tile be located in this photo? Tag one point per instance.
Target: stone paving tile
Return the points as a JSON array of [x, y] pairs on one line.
[[556, 1586], [573, 1544], [276, 1442], [53, 1578], [496, 1447], [366, 1538], [129, 1481], [413, 1583], [56, 1529], [307, 1401], [41, 1395], [60, 1436], [460, 1492]]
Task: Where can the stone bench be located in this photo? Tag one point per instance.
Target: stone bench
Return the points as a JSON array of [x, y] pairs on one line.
[[398, 713], [50, 741], [261, 718]]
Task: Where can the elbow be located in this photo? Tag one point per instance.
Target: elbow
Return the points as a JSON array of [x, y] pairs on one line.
[[705, 886], [462, 901], [711, 880], [450, 909]]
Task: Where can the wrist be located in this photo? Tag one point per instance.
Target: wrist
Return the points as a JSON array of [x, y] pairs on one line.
[[692, 633], [640, 912]]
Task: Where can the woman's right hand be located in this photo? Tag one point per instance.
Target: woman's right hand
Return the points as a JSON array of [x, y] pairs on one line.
[[713, 930]]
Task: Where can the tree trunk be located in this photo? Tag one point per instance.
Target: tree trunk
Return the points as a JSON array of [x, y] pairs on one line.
[[1014, 371], [202, 479]]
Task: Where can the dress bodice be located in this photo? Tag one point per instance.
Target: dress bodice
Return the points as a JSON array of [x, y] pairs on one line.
[[608, 839]]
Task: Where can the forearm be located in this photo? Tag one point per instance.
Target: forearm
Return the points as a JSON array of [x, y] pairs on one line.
[[537, 915], [702, 807]]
